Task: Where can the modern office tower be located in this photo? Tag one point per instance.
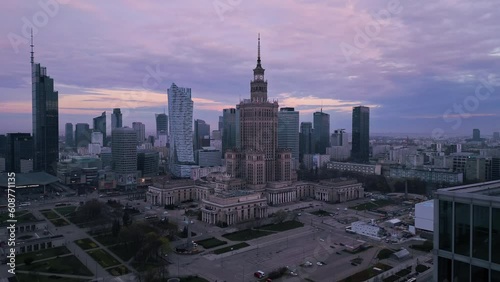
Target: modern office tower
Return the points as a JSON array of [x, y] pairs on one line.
[[201, 137], [161, 124], [288, 131], [321, 134], [97, 138], [140, 128], [45, 118], [476, 134], [229, 129], [19, 152], [116, 119], [100, 126], [208, 156], [495, 168], [306, 139], [151, 140], [82, 135], [148, 163], [339, 138], [180, 110], [467, 233], [69, 135], [216, 135], [220, 125], [3, 145], [496, 136], [124, 154], [361, 134]]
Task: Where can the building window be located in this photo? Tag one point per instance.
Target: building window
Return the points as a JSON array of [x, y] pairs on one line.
[[445, 225], [481, 232], [480, 274], [461, 270], [444, 269], [462, 229]]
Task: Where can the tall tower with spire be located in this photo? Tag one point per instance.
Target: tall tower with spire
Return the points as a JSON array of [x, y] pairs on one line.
[[45, 118], [258, 86]]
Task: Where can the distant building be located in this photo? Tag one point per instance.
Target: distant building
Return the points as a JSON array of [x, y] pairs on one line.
[[321, 134], [201, 136], [428, 175], [69, 135], [375, 169], [19, 151], [367, 229], [140, 130], [97, 138], [82, 135], [424, 216], [180, 109], [288, 131], [230, 129], [116, 119], [100, 126], [496, 135], [361, 134], [306, 139], [476, 135], [124, 153], [208, 156], [161, 124], [148, 163]]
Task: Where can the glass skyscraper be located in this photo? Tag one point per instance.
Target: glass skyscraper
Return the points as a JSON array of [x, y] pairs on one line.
[[116, 119], [100, 126], [45, 118], [467, 233], [180, 111], [321, 134], [361, 134], [288, 131], [161, 124], [69, 136]]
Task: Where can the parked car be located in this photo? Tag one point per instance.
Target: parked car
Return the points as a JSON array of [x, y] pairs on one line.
[[259, 274]]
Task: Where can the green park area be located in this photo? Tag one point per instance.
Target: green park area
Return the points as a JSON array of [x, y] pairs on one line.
[[86, 244], [211, 243], [284, 226], [21, 217], [65, 211], [103, 258], [58, 222], [43, 254], [61, 265]]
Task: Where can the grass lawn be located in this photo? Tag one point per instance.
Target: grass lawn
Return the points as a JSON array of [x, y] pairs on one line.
[[246, 234], [228, 248], [124, 252], [421, 268], [103, 258], [58, 222], [43, 254], [193, 279], [367, 273], [372, 205], [86, 244], [211, 243], [63, 265], [65, 210], [49, 214], [107, 239], [20, 216], [43, 278], [385, 253], [118, 270], [321, 212], [284, 226]]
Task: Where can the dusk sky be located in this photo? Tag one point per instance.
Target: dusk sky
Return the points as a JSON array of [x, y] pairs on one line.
[[419, 65]]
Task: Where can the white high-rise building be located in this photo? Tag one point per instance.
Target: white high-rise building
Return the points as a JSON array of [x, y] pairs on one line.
[[97, 138], [140, 128], [180, 111]]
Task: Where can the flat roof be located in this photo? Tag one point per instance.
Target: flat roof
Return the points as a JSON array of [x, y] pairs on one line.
[[30, 178], [490, 188]]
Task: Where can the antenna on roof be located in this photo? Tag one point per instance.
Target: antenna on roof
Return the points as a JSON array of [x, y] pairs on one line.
[[32, 52]]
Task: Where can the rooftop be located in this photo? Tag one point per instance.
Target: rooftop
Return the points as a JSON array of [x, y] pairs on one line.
[[30, 178], [491, 188]]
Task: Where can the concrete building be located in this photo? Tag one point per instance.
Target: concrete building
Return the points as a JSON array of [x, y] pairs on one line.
[[230, 129], [338, 190], [18, 152], [428, 175], [467, 232], [367, 229], [100, 126], [288, 131], [208, 156], [148, 163], [82, 135], [97, 138], [306, 145], [124, 153], [313, 161], [375, 169], [180, 110], [175, 192], [201, 136], [424, 216]]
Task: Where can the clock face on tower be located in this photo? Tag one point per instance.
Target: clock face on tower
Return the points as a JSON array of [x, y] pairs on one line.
[[259, 77]]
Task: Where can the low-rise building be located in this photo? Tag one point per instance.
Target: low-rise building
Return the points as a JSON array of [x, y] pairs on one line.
[[175, 192], [375, 169], [367, 229], [428, 175]]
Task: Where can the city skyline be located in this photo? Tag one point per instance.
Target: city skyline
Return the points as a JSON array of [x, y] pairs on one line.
[[309, 65]]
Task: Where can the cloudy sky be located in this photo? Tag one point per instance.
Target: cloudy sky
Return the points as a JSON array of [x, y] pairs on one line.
[[422, 66]]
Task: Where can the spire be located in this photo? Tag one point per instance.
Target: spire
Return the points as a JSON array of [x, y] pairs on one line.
[[32, 58], [258, 51]]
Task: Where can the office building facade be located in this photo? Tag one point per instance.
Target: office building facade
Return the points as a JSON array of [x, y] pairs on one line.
[[116, 119], [124, 154], [82, 135], [180, 110], [45, 118], [161, 124], [69, 139], [288, 131], [361, 134], [467, 233], [306, 139], [100, 126], [140, 129], [201, 137], [321, 134], [230, 125], [19, 150]]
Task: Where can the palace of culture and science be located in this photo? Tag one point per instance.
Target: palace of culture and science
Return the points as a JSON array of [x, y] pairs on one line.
[[257, 174]]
